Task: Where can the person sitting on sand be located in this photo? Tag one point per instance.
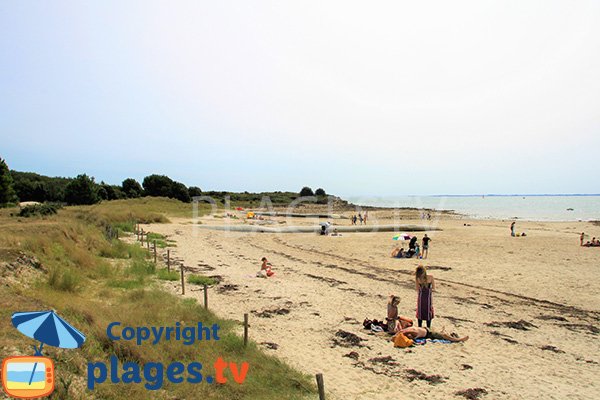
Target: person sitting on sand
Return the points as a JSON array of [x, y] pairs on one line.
[[413, 243], [414, 332], [394, 321], [265, 269], [398, 253]]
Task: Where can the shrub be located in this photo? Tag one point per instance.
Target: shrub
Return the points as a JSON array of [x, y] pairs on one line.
[[306, 191], [141, 268], [39, 210], [200, 280], [167, 276], [64, 279]]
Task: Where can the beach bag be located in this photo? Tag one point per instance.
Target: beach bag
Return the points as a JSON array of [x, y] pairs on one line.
[[402, 341]]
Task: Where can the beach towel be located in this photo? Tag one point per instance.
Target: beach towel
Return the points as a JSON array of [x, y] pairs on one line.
[[424, 341]]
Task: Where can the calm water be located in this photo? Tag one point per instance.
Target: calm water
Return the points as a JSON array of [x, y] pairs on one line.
[[538, 208]]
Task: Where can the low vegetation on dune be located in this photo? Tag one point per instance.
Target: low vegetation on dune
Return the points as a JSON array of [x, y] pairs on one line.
[[67, 262]]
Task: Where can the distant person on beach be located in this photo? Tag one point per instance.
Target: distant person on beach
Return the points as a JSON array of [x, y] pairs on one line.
[[413, 243], [512, 229], [353, 219], [394, 321], [360, 218], [417, 250], [425, 285], [398, 253], [365, 217], [581, 239], [425, 333], [426, 240], [265, 269]]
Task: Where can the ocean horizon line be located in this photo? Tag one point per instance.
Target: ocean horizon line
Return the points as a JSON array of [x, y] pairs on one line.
[[483, 195]]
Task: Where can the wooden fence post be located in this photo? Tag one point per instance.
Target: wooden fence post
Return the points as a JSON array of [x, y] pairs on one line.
[[148, 241], [321, 386], [169, 260], [182, 281], [205, 296], [245, 329], [155, 252]]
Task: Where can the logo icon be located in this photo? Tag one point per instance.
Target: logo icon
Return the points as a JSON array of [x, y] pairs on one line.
[[29, 377]]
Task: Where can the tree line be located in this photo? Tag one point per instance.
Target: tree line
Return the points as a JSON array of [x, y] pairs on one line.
[[16, 186]]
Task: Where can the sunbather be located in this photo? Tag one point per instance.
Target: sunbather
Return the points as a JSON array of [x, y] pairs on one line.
[[415, 332], [398, 253]]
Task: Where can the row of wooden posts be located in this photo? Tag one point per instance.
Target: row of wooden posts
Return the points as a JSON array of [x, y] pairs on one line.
[[140, 237]]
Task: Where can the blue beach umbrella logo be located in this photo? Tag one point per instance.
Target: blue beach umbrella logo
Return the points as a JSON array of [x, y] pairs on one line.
[[31, 377], [48, 328]]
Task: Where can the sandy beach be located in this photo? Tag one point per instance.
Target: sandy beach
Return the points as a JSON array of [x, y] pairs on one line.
[[529, 304]]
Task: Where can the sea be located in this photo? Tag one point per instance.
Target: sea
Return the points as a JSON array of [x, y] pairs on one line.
[[524, 206]]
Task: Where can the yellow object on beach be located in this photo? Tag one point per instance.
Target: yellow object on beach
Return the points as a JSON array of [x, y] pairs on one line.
[[402, 341], [250, 215]]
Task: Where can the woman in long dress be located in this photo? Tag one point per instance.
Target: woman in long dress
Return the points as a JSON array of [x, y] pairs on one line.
[[425, 285]]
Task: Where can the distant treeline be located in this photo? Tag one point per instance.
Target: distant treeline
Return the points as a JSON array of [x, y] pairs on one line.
[[18, 186]]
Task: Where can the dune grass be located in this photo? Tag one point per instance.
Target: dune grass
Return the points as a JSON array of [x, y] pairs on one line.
[[168, 275], [92, 281], [200, 280]]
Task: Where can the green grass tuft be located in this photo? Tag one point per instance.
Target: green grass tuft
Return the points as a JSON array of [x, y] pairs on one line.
[[200, 280], [168, 276]]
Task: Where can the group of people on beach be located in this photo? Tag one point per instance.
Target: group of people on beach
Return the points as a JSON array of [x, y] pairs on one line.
[[398, 324], [593, 243], [362, 218], [413, 249]]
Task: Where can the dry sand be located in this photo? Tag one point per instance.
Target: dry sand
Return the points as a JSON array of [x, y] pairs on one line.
[[529, 304]]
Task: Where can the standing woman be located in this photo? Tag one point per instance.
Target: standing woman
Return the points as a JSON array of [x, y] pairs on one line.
[[425, 285]]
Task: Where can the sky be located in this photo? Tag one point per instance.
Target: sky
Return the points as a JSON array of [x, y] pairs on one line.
[[382, 98]]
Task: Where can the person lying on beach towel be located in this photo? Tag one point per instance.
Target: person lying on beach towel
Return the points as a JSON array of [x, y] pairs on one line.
[[415, 332]]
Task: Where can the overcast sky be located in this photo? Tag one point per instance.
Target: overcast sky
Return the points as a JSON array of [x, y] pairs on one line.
[[360, 98]]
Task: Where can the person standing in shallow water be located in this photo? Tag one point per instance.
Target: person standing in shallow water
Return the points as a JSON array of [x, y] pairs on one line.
[[425, 285]]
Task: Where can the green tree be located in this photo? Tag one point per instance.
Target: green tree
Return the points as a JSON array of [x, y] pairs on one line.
[[306, 191], [7, 192], [180, 192], [82, 190], [320, 192], [132, 188], [194, 191], [158, 185]]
